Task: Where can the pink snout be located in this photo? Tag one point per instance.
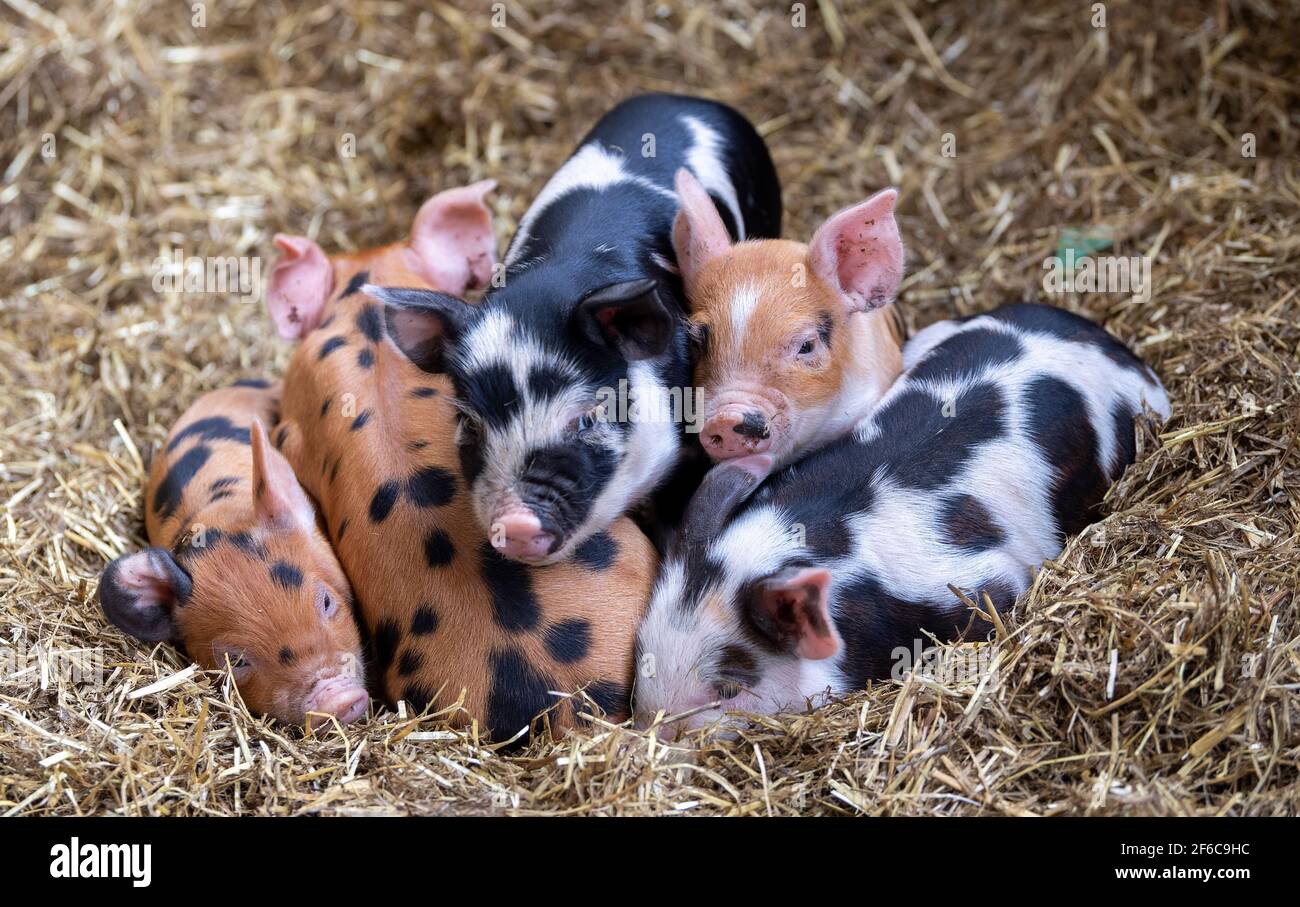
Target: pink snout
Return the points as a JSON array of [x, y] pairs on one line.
[[518, 533], [342, 697], [736, 431]]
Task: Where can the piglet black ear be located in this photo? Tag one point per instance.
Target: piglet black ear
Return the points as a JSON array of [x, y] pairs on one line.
[[423, 323], [628, 317], [724, 488], [139, 592]]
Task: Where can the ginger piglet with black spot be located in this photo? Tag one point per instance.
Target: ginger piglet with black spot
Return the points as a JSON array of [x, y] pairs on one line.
[[377, 441], [238, 571]]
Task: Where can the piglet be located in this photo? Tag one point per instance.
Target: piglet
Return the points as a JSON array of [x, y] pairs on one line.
[[999, 441], [570, 375], [239, 571], [794, 344]]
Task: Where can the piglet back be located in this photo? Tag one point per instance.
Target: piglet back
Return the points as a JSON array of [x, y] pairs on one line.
[[999, 441], [1069, 387]]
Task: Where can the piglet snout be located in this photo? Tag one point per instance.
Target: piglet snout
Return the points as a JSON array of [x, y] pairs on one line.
[[736, 432], [517, 532], [342, 697]]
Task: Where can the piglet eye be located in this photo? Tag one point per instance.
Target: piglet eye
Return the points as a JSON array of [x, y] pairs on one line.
[[586, 422], [468, 432], [240, 664], [808, 346], [727, 689], [698, 337], [327, 604]]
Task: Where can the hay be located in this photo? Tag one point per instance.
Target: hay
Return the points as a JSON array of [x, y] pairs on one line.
[[1154, 668]]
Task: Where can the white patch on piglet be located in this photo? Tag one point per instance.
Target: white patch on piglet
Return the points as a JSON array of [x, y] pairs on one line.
[[593, 166], [705, 159]]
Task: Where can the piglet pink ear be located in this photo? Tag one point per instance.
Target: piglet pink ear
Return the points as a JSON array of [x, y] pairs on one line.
[[453, 241], [278, 500], [698, 232], [859, 252], [301, 282], [792, 608]]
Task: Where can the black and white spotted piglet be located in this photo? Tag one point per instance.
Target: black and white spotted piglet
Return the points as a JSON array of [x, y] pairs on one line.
[[570, 376], [999, 440]]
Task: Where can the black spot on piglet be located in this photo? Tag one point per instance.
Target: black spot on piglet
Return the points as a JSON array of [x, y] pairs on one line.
[[424, 621], [359, 280], [286, 575], [382, 503], [438, 549], [213, 428], [409, 663], [370, 323], [431, 487], [330, 346], [419, 696], [969, 355], [611, 697], [168, 495], [519, 693], [247, 544], [968, 524], [569, 640], [598, 552], [1125, 437], [1058, 422], [384, 644], [514, 605]]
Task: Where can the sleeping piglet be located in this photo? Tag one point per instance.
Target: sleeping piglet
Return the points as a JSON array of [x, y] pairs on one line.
[[239, 571], [997, 443], [794, 344]]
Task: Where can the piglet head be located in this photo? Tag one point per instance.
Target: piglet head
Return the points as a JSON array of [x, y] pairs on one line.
[[266, 598], [721, 636], [548, 457], [775, 352]]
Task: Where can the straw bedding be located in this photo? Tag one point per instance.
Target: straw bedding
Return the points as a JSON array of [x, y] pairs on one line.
[[1154, 667]]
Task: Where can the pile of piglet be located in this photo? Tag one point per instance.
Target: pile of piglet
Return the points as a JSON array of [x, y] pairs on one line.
[[667, 466]]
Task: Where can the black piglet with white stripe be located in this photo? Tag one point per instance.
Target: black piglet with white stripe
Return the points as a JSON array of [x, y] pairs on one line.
[[572, 372], [1000, 439]]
